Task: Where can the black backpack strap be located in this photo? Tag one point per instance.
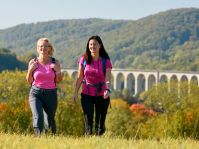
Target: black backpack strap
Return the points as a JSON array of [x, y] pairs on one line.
[[53, 60], [35, 59], [104, 66]]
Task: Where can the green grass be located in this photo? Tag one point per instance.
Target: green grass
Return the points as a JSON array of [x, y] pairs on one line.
[[16, 141]]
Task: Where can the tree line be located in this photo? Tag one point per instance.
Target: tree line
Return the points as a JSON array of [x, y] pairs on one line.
[[166, 41]]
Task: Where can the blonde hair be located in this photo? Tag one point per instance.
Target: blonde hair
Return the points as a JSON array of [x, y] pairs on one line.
[[51, 46]]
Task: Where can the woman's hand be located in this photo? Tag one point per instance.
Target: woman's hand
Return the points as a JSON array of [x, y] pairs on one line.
[[75, 96], [32, 66], [56, 67], [107, 93]]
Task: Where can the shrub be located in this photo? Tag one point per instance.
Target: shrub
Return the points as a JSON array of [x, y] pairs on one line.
[[142, 110], [119, 120], [180, 111], [69, 119]]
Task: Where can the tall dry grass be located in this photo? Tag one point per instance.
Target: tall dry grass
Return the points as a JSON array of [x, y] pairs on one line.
[[16, 141]]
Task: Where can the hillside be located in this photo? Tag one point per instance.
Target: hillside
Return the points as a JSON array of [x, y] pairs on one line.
[[167, 41], [9, 61]]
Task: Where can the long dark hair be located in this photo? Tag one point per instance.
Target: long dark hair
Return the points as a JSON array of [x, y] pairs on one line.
[[102, 51]]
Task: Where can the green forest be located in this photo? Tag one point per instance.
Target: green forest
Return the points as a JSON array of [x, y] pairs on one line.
[[165, 41]]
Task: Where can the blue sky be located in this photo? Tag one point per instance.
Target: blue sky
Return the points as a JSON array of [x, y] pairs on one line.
[[14, 12]]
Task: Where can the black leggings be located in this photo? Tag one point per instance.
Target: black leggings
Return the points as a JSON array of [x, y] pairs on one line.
[[89, 103]]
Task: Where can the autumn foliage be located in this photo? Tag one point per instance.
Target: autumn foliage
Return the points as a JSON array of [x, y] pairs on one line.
[[141, 109]]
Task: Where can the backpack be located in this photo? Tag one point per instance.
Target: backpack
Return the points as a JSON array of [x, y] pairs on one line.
[[103, 65], [53, 61]]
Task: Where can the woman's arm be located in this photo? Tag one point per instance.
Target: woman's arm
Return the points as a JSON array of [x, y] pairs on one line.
[[78, 82], [58, 73], [31, 67], [108, 83], [108, 78]]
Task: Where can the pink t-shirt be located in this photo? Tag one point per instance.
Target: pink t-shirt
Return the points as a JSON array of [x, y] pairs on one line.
[[44, 76], [93, 74]]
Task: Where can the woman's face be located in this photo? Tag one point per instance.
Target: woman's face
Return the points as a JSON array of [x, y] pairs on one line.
[[43, 48], [94, 47]]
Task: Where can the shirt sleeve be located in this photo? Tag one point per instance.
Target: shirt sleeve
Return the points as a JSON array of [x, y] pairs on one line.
[[108, 64], [80, 61]]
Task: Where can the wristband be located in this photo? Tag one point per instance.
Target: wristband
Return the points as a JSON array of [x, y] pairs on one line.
[[108, 82], [109, 90]]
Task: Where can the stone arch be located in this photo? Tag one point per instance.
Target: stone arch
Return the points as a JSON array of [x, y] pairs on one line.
[[194, 80], [120, 82], [174, 84], [193, 83], [65, 73], [173, 78], [131, 83], [163, 79], [151, 81], [74, 74], [183, 78], [184, 86], [141, 83]]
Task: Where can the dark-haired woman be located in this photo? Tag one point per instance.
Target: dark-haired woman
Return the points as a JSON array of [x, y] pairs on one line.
[[94, 74]]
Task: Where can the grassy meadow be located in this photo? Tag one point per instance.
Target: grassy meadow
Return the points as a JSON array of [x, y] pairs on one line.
[[129, 126], [16, 141]]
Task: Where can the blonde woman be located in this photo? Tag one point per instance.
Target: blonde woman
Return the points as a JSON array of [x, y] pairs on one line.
[[44, 72]]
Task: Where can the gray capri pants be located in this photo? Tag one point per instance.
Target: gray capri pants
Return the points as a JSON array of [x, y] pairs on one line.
[[43, 100]]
